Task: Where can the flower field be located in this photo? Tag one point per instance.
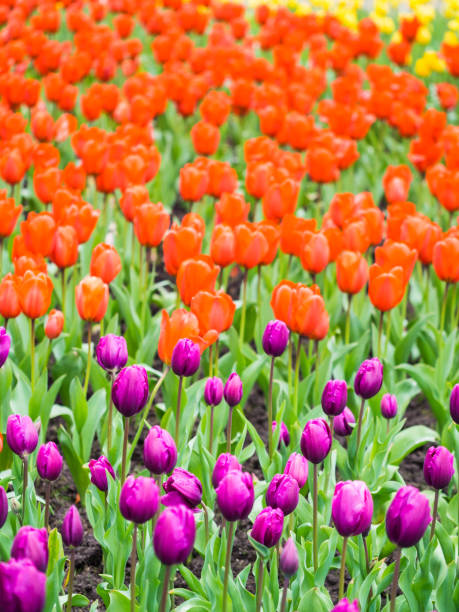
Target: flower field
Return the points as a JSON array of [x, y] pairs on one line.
[[229, 265]]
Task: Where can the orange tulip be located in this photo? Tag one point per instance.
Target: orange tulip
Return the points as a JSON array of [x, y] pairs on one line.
[[83, 218], [54, 324], [193, 182], [38, 231], [342, 208], [105, 262], [287, 300], [446, 259], [312, 318], [356, 236], [29, 261], [448, 95], [351, 271], [132, 197], [374, 221], [215, 107], [322, 165], [46, 182], [392, 254], [214, 310], [196, 274], [386, 286], [251, 245], [10, 306], [421, 234], [12, 167], [396, 183], [222, 245], [195, 221], [335, 241], [222, 178], [74, 176], [257, 178], [181, 324], [316, 253], [91, 297], [205, 137], [271, 232], [280, 199], [34, 291], [65, 247], [232, 209], [151, 222], [9, 214], [293, 230], [180, 243]]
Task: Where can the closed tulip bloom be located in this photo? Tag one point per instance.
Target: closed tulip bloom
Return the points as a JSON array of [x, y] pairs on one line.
[[213, 391], [224, 464], [445, 259], [3, 506], [284, 435], [283, 492], [49, 461], [9, 214], [205, 137], [139, 499], [10, 306], [174, 535], [267, 527], [5, 343], [72, 528], [334, 397], [159, 451], [344, 605], [64, 251], [182, 487], [316, 440], [22, 587], [186, 358], [288, 560], [438, 467], [105, 262], [34, 291], [251, 245], [193, 183], [407, 517], [223, 245], [31, 543], [54, 324], [352, 508], [232, 390], [214, 310], [275, 338], [232, 209], [130, 390], [386, 288], [112, 352], [99, 470], [351, 272], [396, 183], [91, 297], [388, 406], [297, 467], [316, 252], [38, 232], [194, 275], [21, 434], [151, 222], [454, 404], [235, 495], [180, 244], [369, 378], [343, 423]]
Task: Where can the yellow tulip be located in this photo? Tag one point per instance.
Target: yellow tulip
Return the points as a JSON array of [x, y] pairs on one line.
[[423, 36], [421, 68]]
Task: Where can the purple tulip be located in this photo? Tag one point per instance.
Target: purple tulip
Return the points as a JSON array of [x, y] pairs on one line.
[[288, 561], [99, 469], [389, 406], [235, 495], [343, 423], [159, 451], [268, 526], [130, 390], [344, 605], [407, 517], [186, 358], [334, 397], [22, 587], [438, 467], [139, 499], [72, 529], [352, 508], [454, 404], [283, 492], [213, 391], [5, 344], [49, 461], [3, 506], [316, 440], [297, 467], [275, 338], [112, 352], [182, 487], [233, 390], [174, 535], [21, 434], [31, 543], [284, 436], [369, 378], [224, 464]]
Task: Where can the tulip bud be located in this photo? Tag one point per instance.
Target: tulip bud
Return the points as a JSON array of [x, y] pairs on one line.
[[388, 406], [21, 434], [72, 529], [235, 495], [343, 423], [174, 535], [316, 440], [334, 397], [54, 324], [186, 358], [159, 451], [130, 390], [182, 487], [368, 380], [268, 526], [5, 343], [283, 492], [454, 404], [233, 390], [275, 338], [284, 435], [22, 587], [3, 506], [407, 517], [112, 352], [213, 391], [224, 464], [288, 561], [98, 469], [139, 499], [49, 461], [352, 508], [438, 467], [344, 605], [297, 467], [30, 543]]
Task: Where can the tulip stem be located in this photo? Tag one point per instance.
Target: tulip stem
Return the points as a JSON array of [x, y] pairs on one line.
[[133, 563], [443, 307], [229, 546], [284, 594], [167, 575], [47, 498], [88, 363], [211, 431], [110, 419], [62, 273], [206, 521], [435, 511], [244, 305], [125, 443], [216, 358], [314, 518], [259, 584], [177, 418], [380, 326], [347, 328], [290, 361], [387, 333], [270, 410], [228, 430], [359, 426], [71, 574], [297, 373], [367, 556], [211, 360], [393, 590], [25, 482], [1, 257], [32, 354], [342, 570]]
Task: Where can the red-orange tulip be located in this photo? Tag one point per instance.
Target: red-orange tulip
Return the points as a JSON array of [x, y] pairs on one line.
[[38, 232], [396, 183], [386, 286], [34, 291], [9, 214], [232, 209], [392, 254], [351, 271], [105, 262], [293, 230], [10, 306], [54, 324], [193, 182], [196, 274], [222, 245], [446, 259], [205, 137], [180, 243], [316, 253], [181, 324], [65, 247], [151, 222], [91, 297], [214, 310], [251, 245], [280, 199]]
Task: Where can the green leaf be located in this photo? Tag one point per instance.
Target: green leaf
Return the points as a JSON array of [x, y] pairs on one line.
[[407, 440], [317, 600]]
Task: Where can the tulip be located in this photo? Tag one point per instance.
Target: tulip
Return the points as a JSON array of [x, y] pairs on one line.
[[105, 262], [343, 424], [454, 404], [182, 487], [186, 358], [194, 275], [22, 438], [297, 467], [235, 495], [3, 506], [10, 306], [284, 434], [205, 137], [224, 464], [5, 343], [31, 543], [72, 535], [181, 324], [334, 397], [54, 324], [99, 470], [22, 587], [213, 394], [49, 466], [232, 392], [367, 383], [283, 492], [159, 451], [388, 406], [438, 471], [344, 605], [288, 564]]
